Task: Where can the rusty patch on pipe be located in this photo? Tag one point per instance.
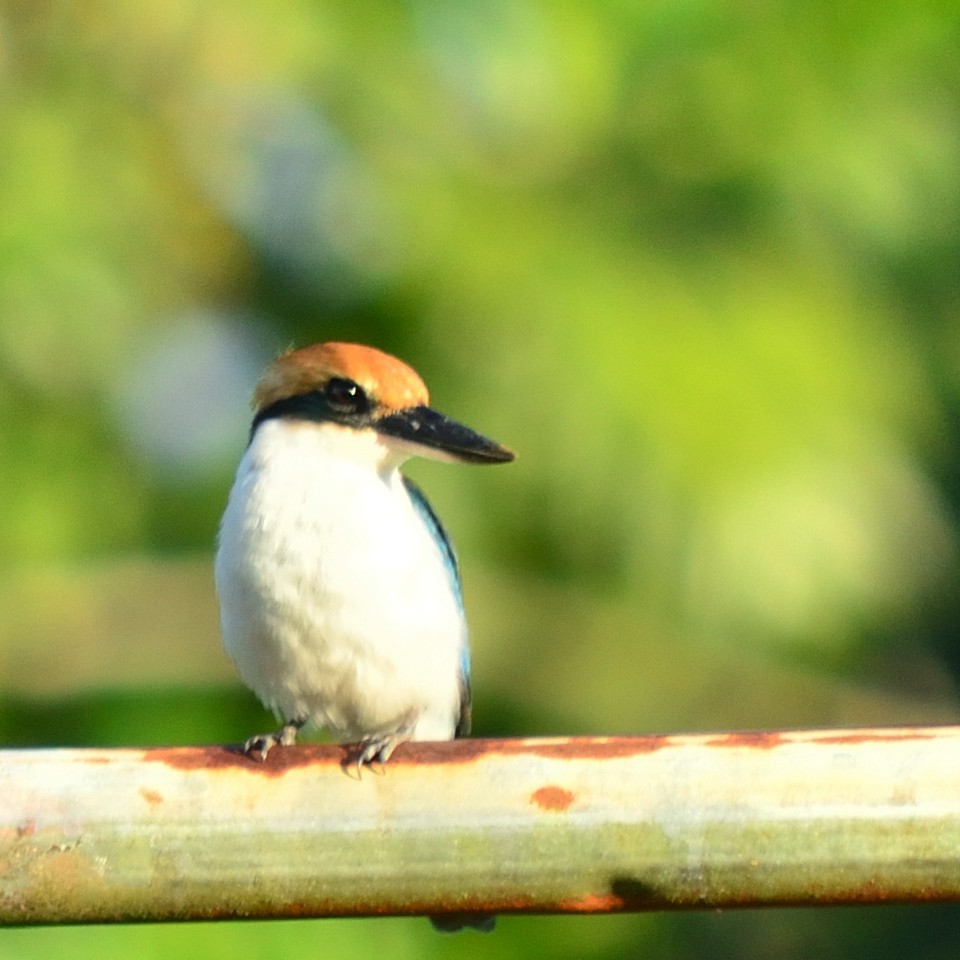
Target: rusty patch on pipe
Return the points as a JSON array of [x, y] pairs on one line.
[[877, 736], [756, 739], [552, 798], [592, 903], [769, 739], [589, 748], [279, 761], [151, 796], [283, 759], [560, 748]]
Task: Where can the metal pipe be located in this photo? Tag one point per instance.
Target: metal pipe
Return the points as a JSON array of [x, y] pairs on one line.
[[574, 825]]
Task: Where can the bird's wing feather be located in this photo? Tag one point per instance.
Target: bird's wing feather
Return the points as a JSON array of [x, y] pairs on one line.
[[429, 517]]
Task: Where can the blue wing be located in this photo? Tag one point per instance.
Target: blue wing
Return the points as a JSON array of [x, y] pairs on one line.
[[427, 515]]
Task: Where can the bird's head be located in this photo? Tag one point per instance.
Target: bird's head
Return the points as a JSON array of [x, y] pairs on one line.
[[370, 397]]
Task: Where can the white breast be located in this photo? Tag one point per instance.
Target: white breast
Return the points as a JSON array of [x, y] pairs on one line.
[[335, 602]]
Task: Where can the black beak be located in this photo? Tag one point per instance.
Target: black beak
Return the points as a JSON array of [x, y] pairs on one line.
[[440, 437]]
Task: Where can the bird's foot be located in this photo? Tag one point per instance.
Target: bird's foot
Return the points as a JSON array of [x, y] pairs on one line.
[[378, 749], [258, 746]]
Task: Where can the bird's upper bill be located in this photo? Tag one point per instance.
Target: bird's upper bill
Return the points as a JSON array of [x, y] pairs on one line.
[[361, 388]]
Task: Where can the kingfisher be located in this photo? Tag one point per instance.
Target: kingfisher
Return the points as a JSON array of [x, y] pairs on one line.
[[340, 594]]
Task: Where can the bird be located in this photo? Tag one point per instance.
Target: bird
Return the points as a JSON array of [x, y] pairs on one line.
[[340, 594]]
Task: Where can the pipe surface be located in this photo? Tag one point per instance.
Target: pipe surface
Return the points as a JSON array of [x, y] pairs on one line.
[[566, 825]]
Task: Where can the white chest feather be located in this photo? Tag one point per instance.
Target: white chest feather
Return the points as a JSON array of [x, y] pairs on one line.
[[336, 604]]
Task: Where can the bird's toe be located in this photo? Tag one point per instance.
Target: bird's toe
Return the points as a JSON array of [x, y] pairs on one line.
[[379, 749], [258, 746]]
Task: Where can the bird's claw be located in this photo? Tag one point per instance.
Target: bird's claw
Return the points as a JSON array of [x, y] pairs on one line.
[[259, 745], [378, 750]]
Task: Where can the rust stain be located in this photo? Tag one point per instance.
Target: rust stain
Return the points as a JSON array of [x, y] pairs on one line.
[[552, 798], [769, 739], [876, 736], [283, 759], [592, 903], [756, 739], [560, 748], [151, 796], [459, 906], [856, 896], [279, 761], [450, 751], [593, 748]]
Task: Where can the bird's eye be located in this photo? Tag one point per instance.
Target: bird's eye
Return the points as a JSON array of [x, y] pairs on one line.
[[345, 396]]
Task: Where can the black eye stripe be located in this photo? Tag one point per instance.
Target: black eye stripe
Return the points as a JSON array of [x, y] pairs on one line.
[[339, 400]]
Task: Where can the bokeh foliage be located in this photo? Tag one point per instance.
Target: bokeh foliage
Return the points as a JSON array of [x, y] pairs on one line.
[[695, 261]]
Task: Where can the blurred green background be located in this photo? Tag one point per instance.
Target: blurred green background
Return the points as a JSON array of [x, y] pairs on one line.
[[697, 262]]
